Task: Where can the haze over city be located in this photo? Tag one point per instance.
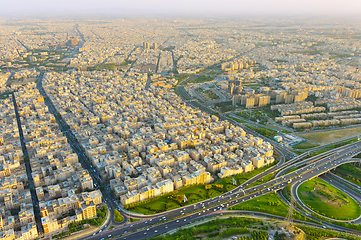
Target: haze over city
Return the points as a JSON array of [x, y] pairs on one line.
[[180, 120], [344, 8]]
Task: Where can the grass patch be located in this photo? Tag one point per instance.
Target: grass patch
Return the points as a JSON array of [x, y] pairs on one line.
[[237, 119], [202, 79], [262, 180], [133, 220], [337, 145], [117, 216], [349, 172], [208, 94], [264, 132], [213, 228], [269, 203], [331, 136], [304, 145], [194, 194], [290, 170], [327, 200], [225, 106], [317, 233]]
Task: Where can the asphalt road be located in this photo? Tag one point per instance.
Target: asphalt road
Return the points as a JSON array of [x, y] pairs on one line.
[[205, 208], [77, 148], [34, 197], [215, 205]]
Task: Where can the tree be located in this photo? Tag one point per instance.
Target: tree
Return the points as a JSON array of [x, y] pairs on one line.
[[117, 216]]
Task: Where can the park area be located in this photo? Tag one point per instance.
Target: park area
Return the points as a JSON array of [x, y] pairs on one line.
[[327, 200], [269, 203], [193, 194], [327, 137]]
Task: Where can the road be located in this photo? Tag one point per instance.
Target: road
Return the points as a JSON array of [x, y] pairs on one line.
[[77, 148], [204, 209], [217, 204], [149, 80], [157, 66], [322, 166], [232, 198], [308, 160], [9, 79], [329, 144], [343, 181], [331, 129], [34, 197], [255, 124]]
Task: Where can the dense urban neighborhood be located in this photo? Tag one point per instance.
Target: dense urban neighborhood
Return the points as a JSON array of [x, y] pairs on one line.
[[179, 129]]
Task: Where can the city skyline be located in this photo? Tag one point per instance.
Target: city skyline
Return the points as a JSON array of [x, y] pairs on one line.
[[131, 124]]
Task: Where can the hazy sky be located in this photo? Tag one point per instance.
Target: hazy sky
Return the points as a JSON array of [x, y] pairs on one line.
[[169, 7]]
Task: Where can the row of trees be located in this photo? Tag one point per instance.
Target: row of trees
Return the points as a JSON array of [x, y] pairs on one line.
[[233, 224], [259, 235]]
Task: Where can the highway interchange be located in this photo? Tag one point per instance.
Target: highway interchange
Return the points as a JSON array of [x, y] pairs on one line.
[[151, 225]]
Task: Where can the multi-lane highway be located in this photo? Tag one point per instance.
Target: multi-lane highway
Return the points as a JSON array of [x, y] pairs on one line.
[[217, 205], [154, 224]]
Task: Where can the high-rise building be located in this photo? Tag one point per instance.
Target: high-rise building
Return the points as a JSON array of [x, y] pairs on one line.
[[145, 45], [155, 45]]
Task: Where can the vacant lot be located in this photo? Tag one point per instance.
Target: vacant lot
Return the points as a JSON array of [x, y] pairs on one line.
[[331, 136]]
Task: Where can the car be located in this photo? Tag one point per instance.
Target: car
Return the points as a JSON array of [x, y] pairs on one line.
[[177, 221], [166, 226], [150, 220], [131, 226], [145, 233], [109, 235], [93, 234], [125, 232], [155, 231], [146, 222], [100, 231], [185, 220]]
